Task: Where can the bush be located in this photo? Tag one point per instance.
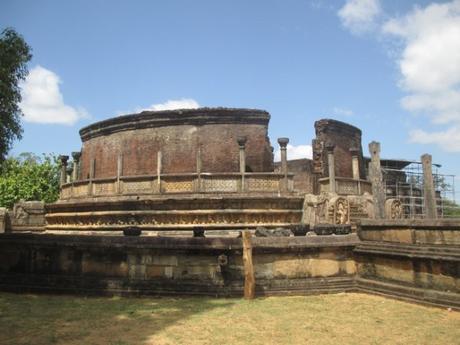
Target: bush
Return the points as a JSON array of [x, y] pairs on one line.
[[29, 177]]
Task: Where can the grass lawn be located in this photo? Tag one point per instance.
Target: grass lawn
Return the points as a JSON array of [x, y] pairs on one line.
[[326, 319]]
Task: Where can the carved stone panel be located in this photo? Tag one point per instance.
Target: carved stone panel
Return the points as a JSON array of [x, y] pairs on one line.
[[220, 184], [137, 187], [267, 184]]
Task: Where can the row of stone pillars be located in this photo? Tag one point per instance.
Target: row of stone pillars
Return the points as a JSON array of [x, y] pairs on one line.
[[241, 140], [378, 190], [331, 166]]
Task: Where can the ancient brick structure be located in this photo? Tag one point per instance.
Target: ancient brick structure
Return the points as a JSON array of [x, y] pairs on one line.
[[181, 136], [346, 139]]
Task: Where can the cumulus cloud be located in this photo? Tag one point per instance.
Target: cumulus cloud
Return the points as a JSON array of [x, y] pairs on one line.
[[184, 103], [295, 152], [359, 16], [430, 69], [448, 139], [42, 100]]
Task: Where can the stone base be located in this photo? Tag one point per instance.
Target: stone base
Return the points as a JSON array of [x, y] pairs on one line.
[[178, 213]]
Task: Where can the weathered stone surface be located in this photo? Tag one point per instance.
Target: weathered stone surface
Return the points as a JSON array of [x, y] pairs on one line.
[[263, 232], [3, 215], [429, 195], [375, 176]]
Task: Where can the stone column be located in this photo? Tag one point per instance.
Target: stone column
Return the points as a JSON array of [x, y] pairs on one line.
[[92, 172], [355, 167], [199, 164], [331, 166], [284, 168], [242, 144], [63, 159], [119, 171], [355, 162], [159, 159], [76, 165], [376, 178], [429, 194]]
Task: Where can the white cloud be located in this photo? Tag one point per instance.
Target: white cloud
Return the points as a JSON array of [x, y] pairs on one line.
[[172, 104], [342, 111], [429, 63], [42, 100], [359, 16], [449, 139], [184, 103], [295, 152]]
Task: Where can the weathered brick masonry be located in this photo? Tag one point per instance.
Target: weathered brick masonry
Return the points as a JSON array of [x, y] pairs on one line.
[[178, 135]]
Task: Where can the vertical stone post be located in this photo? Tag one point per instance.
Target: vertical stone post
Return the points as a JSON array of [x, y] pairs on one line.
[[63, 159], [242, 144], [355, 167], [92, 172], [119, 171], [159, 159], [284, 168], [249, 277], [429, 194], [76, 165], [355, 162], [331, 167], [199, 164], [375, 176]]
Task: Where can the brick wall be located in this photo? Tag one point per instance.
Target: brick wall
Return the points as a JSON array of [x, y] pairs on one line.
[[179, 144]]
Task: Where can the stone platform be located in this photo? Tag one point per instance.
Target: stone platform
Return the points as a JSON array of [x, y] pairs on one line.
[[181, 212]]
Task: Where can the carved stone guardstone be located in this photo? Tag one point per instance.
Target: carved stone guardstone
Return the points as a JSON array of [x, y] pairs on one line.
[[393, 209], [338, 211]]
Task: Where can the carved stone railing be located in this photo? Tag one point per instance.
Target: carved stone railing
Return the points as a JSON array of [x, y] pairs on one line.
[[346, 186], [178, 184]]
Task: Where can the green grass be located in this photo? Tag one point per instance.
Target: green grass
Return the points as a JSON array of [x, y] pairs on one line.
[[326, 319]]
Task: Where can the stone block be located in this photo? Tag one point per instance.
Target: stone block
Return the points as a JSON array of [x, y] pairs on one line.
[[3, 215]]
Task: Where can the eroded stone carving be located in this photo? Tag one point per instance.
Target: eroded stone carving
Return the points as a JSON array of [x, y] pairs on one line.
[[393, 209]]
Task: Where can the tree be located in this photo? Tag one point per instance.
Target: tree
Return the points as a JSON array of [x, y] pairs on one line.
[[29, 177], [14, 55]]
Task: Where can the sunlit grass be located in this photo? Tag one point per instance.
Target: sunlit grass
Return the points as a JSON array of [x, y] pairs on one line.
[[326, 319]]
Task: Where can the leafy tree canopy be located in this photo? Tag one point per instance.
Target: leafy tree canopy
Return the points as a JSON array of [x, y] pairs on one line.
[[14, 55], [29, 177]]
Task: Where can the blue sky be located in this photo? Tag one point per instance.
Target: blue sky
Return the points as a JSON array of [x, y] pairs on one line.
[[392, 68]]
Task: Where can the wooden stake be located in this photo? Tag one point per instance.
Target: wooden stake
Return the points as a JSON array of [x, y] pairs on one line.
[[249, 280]]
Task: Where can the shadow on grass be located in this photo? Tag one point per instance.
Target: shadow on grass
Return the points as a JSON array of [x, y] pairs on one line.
[[45, 319]]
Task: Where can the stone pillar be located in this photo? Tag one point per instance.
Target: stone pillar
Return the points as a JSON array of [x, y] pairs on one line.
[[375, 176], [159, 159], [92, 172], [355, 162], [331, 167], [119, 171], [284, 168], [429, 194], [242, 144], [199, 164], [63, 159], [76, 165]]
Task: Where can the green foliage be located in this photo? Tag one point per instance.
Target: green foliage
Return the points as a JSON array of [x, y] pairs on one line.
[[451, 209], [29, 177], [14, 55]]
